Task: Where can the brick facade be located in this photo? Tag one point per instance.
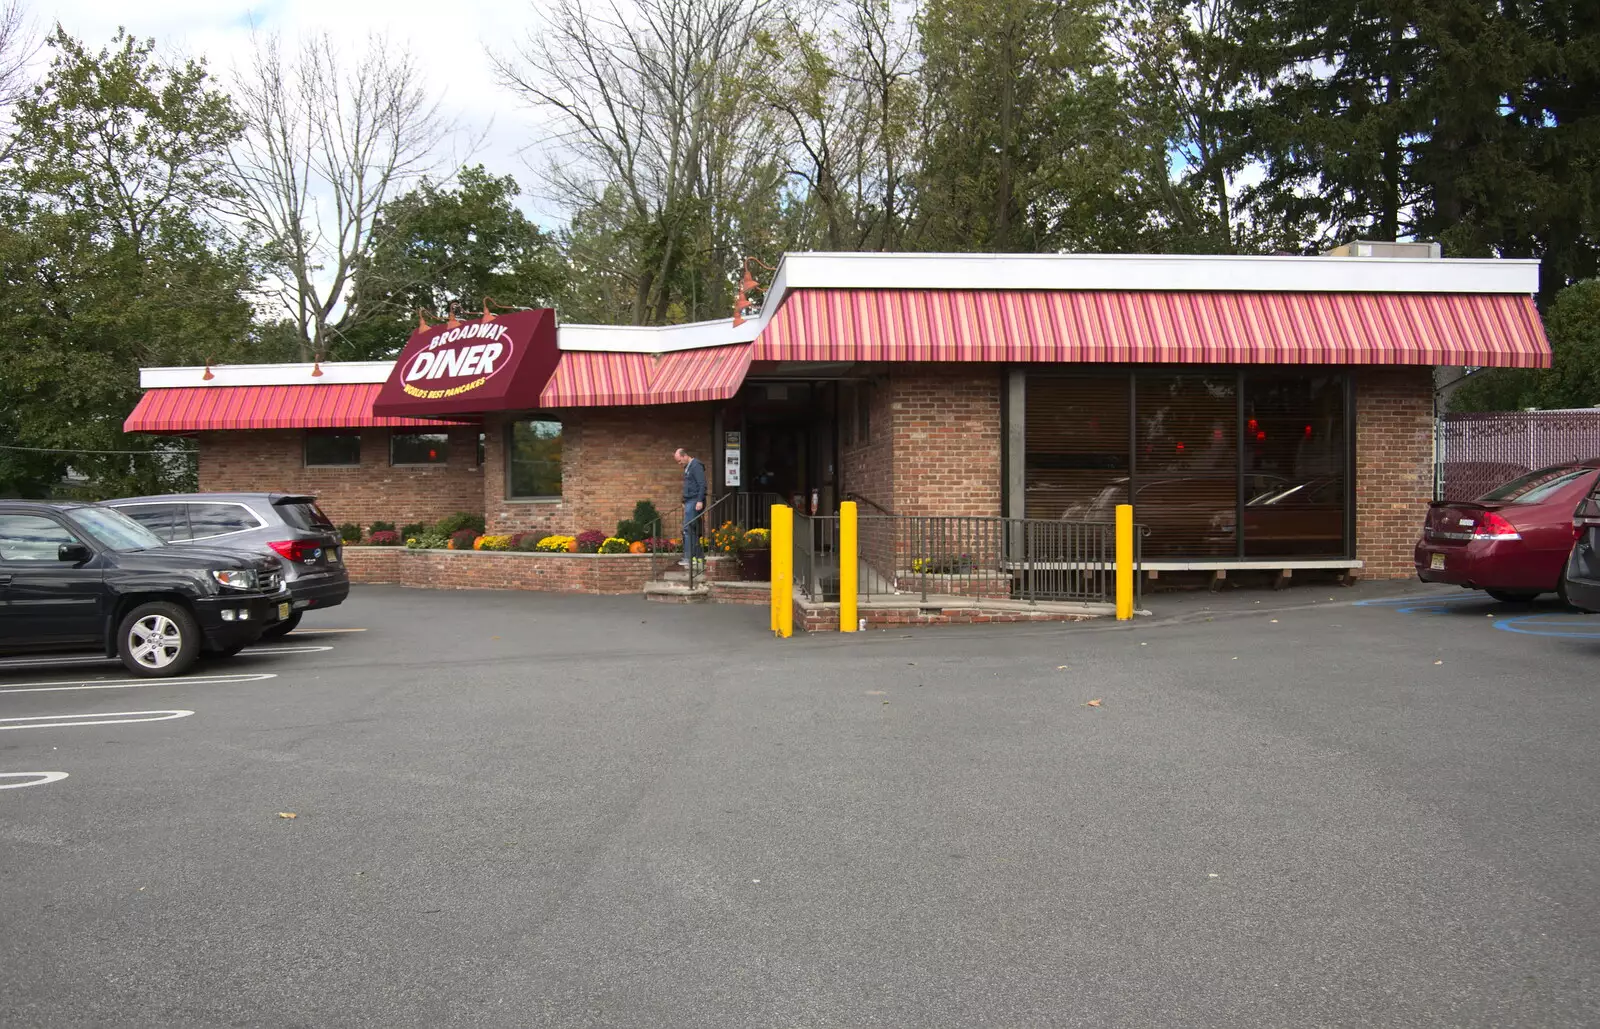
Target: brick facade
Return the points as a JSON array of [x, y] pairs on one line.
[[1394, 466], [274, 461], [868, 466], [947, 432], [611, 458]]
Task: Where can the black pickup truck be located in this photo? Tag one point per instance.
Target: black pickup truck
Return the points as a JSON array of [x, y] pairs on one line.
[[86, 577]]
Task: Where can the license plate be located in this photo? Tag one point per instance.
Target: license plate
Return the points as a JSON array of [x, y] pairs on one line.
[[283, 611], [1437, 563]]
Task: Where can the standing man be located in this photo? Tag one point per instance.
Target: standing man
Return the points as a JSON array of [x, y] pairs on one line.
[[694, 504]]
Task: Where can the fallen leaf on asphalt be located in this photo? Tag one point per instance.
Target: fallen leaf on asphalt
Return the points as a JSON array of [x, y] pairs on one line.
[[1274, 621], [1438, 662], [1093, 703], [286, 814], [494, 637], [1235, 659], [876, 693], [1061, 668]]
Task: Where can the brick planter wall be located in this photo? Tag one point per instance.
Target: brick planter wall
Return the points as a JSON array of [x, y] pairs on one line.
[[501, 570]]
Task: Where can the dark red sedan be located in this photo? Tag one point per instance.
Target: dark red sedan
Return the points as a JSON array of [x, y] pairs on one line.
[[1513, 541]]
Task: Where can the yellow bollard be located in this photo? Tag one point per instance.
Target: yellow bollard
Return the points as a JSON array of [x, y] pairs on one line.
[[1125, 571], [782, 570], [848, 566]]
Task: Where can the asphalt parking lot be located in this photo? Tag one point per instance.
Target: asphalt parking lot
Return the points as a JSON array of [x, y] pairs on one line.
[[1375, 806]]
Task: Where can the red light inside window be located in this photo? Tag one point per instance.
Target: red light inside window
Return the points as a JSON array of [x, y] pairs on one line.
[[1254, 425], [1216, 434], [433, 455], [1308, 432], [1260, 436], [1180, 446]]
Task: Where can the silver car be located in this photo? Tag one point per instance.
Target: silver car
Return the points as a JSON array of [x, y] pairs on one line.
[[287, 526]]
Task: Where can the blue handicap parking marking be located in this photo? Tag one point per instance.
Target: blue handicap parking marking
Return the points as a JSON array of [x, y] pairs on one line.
[[1575, 626]]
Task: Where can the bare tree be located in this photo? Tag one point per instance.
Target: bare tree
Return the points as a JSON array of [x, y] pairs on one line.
[[653, 110], [18, 44], [330, 139]]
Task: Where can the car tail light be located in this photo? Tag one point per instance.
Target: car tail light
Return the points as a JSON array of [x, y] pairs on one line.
[[297, 550], [1494, 527]]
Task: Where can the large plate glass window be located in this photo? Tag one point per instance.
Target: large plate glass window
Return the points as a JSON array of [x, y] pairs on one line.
[[333, 449], [419, 448], [1077, 447], [1187, 460], [1295, 451], [533, 465]]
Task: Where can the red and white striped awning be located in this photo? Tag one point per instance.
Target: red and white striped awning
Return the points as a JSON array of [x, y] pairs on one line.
[[591, 378], [1090, 326], [203, 408]]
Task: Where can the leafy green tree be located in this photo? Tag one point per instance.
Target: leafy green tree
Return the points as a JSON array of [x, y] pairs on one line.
[[109, 261], [436, 248]]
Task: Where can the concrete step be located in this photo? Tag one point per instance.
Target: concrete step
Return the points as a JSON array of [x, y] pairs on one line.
[[668, 592]]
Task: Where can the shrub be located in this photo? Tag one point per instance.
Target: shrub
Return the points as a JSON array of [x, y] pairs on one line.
[[350, 532], [613, 545], [644, 520], [462, 539], [416, 530], [459, 522], [557, 544], [527, 541], [589, 541], [381, 527], [492, 543], [427, 541], [384, 538]]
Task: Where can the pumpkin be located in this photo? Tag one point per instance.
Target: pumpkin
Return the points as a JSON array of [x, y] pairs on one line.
[[572, 546], [636, 547]]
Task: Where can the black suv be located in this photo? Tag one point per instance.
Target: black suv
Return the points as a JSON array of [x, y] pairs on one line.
[[85, 577], [1582, 584]]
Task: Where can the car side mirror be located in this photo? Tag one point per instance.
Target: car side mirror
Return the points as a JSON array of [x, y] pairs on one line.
[[77, 553]]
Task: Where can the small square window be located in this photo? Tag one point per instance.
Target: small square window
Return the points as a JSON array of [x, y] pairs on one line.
[[533, 459], [419, 448], [333, 449]]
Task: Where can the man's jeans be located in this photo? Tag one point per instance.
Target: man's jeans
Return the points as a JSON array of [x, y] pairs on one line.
[[691, 531]]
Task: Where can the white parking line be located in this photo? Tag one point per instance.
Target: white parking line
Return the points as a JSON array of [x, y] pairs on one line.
[[319, 632], [284, 650], [128, 684], [39, 779], [100, 718]]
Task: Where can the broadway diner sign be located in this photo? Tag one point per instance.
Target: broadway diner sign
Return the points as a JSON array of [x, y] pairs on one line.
[[498, 363]]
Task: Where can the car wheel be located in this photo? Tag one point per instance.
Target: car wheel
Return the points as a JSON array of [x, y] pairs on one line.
[[278, 630], [158, 639], [1511, 596]]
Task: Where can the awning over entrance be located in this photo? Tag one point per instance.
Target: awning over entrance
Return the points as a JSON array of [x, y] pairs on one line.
[[203, 408], [600, 379], [1482, 330]]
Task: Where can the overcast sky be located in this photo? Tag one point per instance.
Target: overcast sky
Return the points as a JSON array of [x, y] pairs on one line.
[[453, 38]]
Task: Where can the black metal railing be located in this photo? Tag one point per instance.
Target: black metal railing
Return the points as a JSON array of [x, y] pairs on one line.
[[746, 510], [1031, 560]]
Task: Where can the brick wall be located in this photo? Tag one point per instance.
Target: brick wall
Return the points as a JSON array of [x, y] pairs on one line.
[[868, 468], [491, 570], [947, 432], [274, 461], [1394, 466], [611, 459]]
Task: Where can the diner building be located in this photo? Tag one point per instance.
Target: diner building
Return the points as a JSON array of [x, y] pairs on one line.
[[1255, 410]]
